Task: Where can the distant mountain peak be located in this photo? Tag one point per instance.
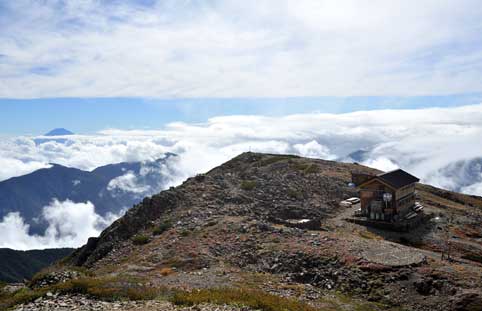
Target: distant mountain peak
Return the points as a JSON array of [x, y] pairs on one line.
[[59, 132]]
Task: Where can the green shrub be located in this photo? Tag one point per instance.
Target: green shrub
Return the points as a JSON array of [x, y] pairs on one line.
[[163, 227], [140, 239], [251, 298], [248, 185]]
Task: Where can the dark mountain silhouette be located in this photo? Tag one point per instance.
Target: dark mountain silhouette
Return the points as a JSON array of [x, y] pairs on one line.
[[28, 194], [15, 266]]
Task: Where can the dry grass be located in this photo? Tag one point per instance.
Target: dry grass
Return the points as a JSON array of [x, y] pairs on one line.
[[307, 168], [23, 295], [275, 158], [369, 235], [166, 271], [255, 299], [110, 288]]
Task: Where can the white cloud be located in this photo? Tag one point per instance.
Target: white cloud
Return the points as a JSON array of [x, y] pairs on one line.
[[381, 163], [439, 145], [313, 149], [231, 48], [127, 183], [17, 167], [423, 141], [475, 189], [69, 225]]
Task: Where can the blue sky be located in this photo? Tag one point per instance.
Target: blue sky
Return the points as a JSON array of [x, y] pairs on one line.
[[88, 115], [90, 65]]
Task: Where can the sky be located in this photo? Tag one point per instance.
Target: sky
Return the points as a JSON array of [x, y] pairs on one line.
[[91, 65], [90, 115], [399, 80], [223, 49]]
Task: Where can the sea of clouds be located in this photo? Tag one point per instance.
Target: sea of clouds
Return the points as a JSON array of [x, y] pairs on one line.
[[70, 224], [442, 146]]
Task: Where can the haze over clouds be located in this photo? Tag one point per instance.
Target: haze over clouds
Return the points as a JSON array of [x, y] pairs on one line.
[[171, 48]]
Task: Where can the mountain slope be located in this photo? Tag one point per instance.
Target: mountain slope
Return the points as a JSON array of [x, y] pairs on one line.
[[15, 266], [110, 188], [238, 227]]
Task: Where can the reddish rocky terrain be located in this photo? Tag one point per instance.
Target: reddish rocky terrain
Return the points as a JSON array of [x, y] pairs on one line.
[[234, 228]]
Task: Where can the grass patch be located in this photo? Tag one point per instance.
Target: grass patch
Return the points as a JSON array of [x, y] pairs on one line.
[[248, 185], [368, 235], [140, 239], [275, 158], [307, 168], [24, 295], [115, 288], [163, 227], [357, 304], [44, 273], [300, 166], [311, 169], [251, 298], [108, 289], [295, 194]]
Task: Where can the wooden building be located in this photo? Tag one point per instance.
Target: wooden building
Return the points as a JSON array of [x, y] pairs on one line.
[[388, 196]]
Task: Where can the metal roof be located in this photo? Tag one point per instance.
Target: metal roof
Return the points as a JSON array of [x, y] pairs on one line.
[[398, 178]]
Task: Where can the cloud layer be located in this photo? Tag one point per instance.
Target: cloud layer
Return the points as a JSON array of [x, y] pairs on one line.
[[427, 142], [439, 145], [171, 48], [70, 225]]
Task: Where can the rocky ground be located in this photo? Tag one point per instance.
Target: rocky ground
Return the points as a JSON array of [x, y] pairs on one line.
[[230, 228], [83, 303]]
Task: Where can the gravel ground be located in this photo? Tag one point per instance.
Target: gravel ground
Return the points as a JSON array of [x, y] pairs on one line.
[[83, 303]]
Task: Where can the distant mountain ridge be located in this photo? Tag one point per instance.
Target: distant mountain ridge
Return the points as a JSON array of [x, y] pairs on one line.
[[15, 266], [110, 188], [54, 133], [59, 132]]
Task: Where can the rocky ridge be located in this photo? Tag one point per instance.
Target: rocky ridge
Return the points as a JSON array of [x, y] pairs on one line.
[[228, 229]]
